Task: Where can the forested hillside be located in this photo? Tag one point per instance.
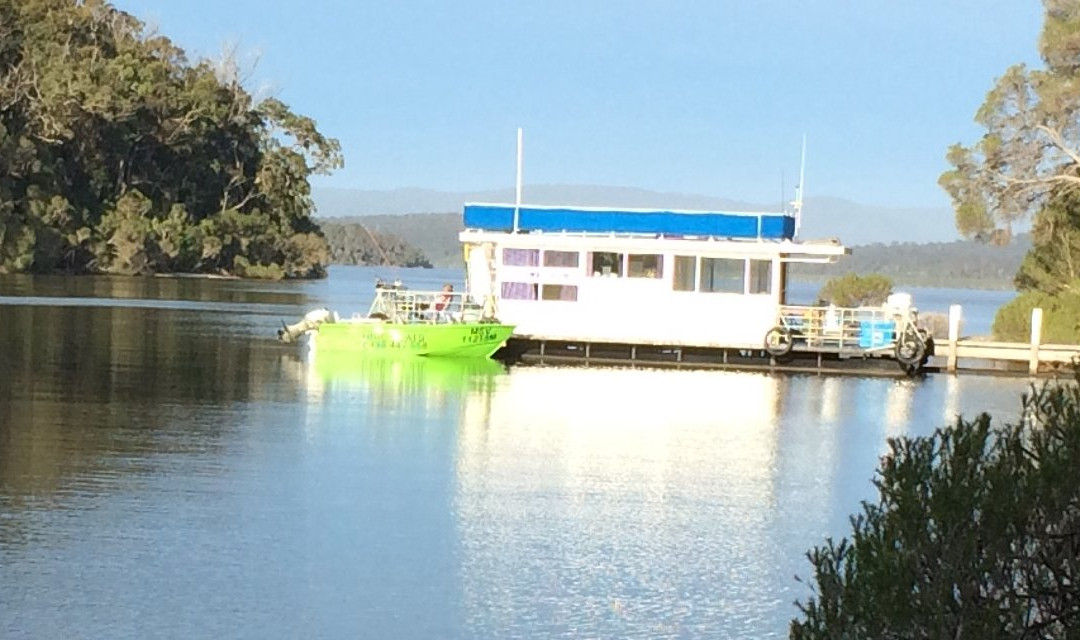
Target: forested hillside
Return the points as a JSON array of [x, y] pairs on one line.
[[961, 263], [119, 155], [433, 234], [944, 264], [358, 244]]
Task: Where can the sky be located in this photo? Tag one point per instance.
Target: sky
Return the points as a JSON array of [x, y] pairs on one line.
[[708, 97]]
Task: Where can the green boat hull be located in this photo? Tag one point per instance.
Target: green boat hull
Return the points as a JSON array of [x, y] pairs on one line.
[[474, 340]]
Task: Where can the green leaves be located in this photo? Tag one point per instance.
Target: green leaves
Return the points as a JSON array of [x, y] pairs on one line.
[[975, 534], [143, 148], [851, 290], [1031, 149]]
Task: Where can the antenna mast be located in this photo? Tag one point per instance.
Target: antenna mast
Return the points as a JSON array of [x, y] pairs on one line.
[[801, 188], [517, 200]]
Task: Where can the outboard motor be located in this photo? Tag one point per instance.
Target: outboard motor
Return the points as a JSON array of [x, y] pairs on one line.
[[312, 319]]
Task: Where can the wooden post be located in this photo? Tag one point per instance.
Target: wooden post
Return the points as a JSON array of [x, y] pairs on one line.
[[955, 314], [1036, 338]]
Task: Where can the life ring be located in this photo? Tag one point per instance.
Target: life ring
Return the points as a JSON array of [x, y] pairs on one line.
[[778, 341]]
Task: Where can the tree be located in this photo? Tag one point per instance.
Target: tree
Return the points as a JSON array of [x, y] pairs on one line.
[[851, 290], [119, 155], [1027, 166], [975, 534], [1030, 152]]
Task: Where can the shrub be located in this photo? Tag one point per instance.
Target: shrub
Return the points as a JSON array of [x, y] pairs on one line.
[[851, 290], [975, 534], [1061, 317]]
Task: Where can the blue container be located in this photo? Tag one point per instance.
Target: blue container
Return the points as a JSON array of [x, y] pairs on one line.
[[876, 333]]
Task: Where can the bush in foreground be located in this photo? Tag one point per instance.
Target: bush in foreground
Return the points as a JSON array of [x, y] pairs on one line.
[[975, 534]]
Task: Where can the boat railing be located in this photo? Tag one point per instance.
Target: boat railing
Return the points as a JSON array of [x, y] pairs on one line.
[[426, 307], [858, 328]]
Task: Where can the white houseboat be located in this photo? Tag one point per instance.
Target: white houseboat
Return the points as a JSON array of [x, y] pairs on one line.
[[695, 278], [667, 278]]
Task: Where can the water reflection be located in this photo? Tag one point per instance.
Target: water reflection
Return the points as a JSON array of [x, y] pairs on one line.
[[898, 406], [389, 381], [94, 399], [638, 503], [591, 499], [184, 466]]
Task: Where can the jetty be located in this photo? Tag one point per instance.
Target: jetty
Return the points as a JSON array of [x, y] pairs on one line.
[[951, 355]]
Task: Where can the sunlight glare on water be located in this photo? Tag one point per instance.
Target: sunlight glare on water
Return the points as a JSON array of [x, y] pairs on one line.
[[167, 469]]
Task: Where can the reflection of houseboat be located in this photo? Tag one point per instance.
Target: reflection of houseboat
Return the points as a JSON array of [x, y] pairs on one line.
[[662, 278]]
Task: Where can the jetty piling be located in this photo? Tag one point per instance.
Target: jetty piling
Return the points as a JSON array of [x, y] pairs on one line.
[[955, 316], [1036, 338]]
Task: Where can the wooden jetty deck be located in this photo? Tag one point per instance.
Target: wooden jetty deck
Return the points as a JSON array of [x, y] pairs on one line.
[[952, 354]]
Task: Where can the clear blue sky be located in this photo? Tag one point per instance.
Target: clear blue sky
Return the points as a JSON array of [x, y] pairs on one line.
[[695, 96]]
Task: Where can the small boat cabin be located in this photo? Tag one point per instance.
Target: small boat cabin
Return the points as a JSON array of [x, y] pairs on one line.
[[637, 276]]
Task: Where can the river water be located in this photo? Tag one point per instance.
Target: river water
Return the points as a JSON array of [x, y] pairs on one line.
[[168, 470]]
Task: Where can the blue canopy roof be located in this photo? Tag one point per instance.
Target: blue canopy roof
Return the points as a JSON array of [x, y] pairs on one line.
[[500, 217]]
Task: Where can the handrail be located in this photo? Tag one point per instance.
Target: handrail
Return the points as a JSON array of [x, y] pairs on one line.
[[845, 327], [402, 305]]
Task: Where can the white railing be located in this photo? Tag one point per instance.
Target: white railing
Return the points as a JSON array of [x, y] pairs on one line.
[[402, 305], [857, 328]]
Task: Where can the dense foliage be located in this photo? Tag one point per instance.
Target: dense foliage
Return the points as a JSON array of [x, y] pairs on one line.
[[1027, 165], [975, 534], [1031, 149], [119, 155], [356, 243], [1061, 317], [852, 290]]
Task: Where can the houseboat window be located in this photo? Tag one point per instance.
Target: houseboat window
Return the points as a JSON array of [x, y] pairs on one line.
[[685, 273], [518, 291], [644, 266], [521, 257], [566, 292], [603, 263], [561, 258], [761, 276], [721, 275]]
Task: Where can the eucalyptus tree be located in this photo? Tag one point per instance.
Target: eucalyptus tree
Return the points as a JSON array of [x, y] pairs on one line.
[[1030, 151], [118, 154], [1026, 168]]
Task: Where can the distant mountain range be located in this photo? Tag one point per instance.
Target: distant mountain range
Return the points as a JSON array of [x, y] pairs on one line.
[[823, 217]]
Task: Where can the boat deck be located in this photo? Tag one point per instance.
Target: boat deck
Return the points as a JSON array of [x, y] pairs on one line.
[[974, 356]]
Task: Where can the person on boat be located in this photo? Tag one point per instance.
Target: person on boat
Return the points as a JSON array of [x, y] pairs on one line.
[[443, 301]]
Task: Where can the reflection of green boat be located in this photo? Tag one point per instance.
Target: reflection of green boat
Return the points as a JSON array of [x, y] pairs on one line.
[[404, 374], [400, 321]]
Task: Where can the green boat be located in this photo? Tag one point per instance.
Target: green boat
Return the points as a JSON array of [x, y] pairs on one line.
[[406, 322]]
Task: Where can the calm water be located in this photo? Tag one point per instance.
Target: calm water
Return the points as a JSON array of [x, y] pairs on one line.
[[168, 470]]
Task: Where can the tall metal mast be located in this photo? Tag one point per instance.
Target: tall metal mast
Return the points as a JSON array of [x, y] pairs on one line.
[[801, 188], [517, 200]]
